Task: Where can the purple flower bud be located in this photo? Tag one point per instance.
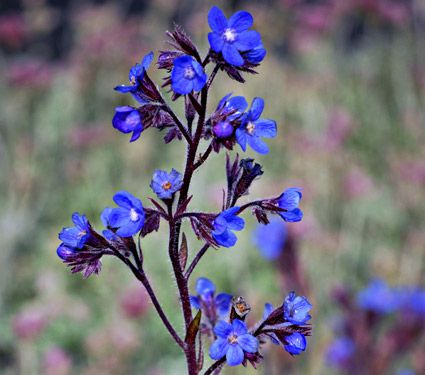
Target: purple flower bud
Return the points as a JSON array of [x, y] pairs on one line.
[[223, 129]]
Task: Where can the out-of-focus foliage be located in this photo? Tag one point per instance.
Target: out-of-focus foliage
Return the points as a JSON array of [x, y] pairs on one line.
[[345, 81]]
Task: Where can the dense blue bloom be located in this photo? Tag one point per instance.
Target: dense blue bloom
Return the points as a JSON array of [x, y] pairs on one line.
[[128, 218], [340, 351], [270, 238], [76, 236], [127, 119], [135, 75], [224, 223], [289, 201], [232, 108], [187, 75], [252, 128], [205, 290], [166, 184], [230, 37], [296, 308], [232, 341], [378, 297], [63, 251], [295, 343]]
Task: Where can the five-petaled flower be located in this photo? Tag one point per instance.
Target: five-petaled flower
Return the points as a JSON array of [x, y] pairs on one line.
[[295, 343], [296, 309], [166, 184], [224, 223], [76, 236], [233, 340], [252, 128], [289, 201], [187, 75], [231, 37], [207, 300], [129, 217], [127, 119], [135, 76]]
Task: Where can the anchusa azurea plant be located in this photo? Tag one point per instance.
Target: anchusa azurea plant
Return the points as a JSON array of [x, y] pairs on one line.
[[236, 49], [380, 328]]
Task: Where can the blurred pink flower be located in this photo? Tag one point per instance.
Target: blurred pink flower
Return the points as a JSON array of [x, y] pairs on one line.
[[357, 183], [12, 30], [31, 73], [56, 362], [29, 323], [412, 171], [340, 126], [134, 302], [88, 135]]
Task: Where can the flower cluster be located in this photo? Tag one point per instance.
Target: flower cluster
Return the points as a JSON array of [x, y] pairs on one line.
[[385, 320], [235, 49]]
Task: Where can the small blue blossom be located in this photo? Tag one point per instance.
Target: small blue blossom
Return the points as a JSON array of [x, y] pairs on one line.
[[289, 201], [295, 343], [166, 184], [205, 290], [231, 37], [127, 119], [340, 352], [270, 239], [187, 75], [135, 76], [224, 223], [296, 309], [378, 297], [233, 340], [76, 236], [128, 218], [252, 128], [234, 107], [63, 251]]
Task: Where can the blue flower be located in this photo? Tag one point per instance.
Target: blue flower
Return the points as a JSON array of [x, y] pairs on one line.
[[289, 201], [76, 236], [270, 238], [378, 297], [252, 128], [166, 184], [230, 37], [63, 251], [187, 75], [295, 343], [232, 108], [205, 290], [135, 76], [224, 223], [129, 217], [340, 351], [127, 119], [104, 217], [233, 341], [296, 308]]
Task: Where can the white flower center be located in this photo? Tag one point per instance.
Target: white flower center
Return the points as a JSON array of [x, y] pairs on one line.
[[189, 73], [250, 127], [233, 339], [134, 216], [229, 35]]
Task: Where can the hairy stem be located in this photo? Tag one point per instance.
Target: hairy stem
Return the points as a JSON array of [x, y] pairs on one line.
[[215, 366]]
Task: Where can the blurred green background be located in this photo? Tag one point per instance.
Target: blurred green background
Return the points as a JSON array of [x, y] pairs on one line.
[[345, 82]]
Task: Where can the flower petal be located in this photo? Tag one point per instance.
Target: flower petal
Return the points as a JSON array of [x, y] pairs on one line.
[[241, 21], [232, 55], [293, 216], [223, 329], [257, 107], [131, 228], [219, 349], [216, 41], [265, 128], [248, 40], [222, 303], [119, 217], [257, 144], [235, 223], [217, 20], [241, 137], [194, 302], [147, 60], [226, 239], [248, 343], [239, 327], [234, 355], [204, 287]]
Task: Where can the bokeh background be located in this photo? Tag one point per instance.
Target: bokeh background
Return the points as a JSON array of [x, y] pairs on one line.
[[345, 81]]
